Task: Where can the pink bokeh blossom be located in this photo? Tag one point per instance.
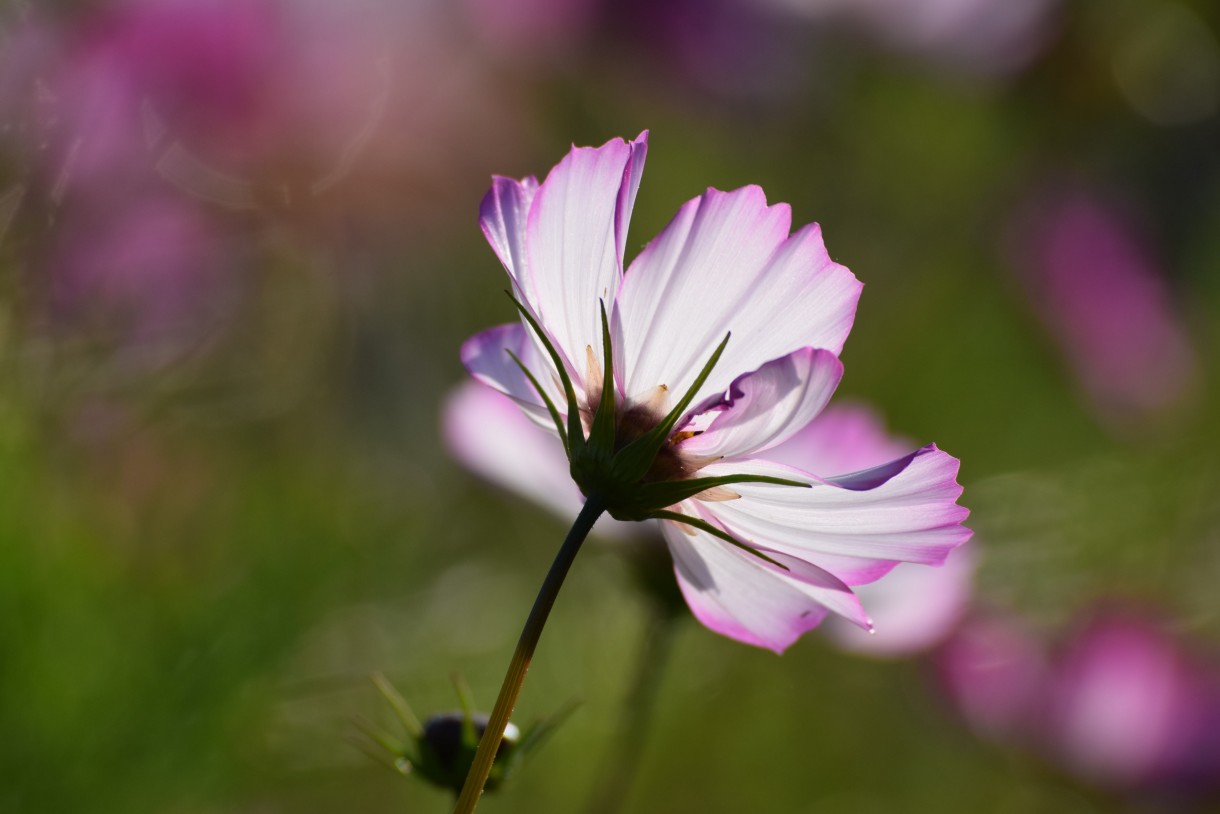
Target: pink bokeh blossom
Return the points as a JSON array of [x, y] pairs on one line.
[[1120, 702], [1094, 281]]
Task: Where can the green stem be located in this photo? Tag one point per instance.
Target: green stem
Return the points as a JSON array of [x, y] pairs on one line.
[[621, 766], [515, 677]]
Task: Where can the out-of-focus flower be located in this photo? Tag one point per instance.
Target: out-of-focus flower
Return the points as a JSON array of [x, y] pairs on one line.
[[664, 417], [984, 36], [147, 145], [529, 30], [735, 49], [1131, 708], [994, 672], [258, 104], [731, 49], [1120, 703], [152, 271], [1098, 290], [912, 608]]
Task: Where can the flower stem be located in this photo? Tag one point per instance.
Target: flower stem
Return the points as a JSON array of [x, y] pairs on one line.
[[489, 743]]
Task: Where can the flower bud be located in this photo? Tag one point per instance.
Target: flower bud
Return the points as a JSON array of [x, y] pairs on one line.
[[442, 748], [447, 746]]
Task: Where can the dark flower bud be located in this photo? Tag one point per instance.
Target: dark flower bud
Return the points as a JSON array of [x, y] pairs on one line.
[[448, 744], [442, 748]]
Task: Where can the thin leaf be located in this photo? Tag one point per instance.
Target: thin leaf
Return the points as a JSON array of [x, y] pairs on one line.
[[550, 406], [601, 433], [534, 737], [401, 765], [380, 737], [576, 436], [635, 458], [402, 710], [469, 735], [703, 525], [667, 493]]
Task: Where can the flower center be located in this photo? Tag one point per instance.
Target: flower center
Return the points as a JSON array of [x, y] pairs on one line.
[[637, 420]]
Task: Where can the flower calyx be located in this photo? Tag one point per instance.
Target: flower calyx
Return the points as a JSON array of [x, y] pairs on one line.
[[631, 460]]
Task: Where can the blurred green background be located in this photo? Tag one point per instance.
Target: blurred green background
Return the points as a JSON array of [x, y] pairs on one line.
[[240, 253]]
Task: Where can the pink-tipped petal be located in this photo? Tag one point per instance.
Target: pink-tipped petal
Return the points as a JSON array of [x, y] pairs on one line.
[[485, 356], [768, 406], [739, 595], [905, 511], [503, 215], [632, 174], [490, 435], [576, 223], [913, 608], [727, 263]]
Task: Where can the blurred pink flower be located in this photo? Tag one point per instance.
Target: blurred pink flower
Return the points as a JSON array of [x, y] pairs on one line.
[[726, 263], [258, 103], [1120, 703], [728, 48], [912, 608], [1131, 708], [227, 98], [1098, 290], [152, 271], [994, 671], [989, 37], [533, 29]]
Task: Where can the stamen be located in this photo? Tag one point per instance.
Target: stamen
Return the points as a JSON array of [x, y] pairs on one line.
[[593, 368], [657, 401]]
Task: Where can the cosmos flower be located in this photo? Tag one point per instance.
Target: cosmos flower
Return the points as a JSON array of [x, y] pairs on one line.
[[983, 37], [1119, 702], [666, 381], [1093, 279], [912, 609], [1131, 707]]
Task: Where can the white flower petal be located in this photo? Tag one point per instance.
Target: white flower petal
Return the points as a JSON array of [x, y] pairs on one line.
[[726, 263], [575, 234], [748, 599], [503, 216], [485, 355], [903, 511], [768, 406]]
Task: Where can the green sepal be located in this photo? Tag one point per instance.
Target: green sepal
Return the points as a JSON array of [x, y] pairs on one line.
[[576, 435], [601, 432], [550, 406], [667, 493], [402, 710], [470, 736], [535, 736], [703, 525], [392, 745], [634, 460], [399, 762]]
